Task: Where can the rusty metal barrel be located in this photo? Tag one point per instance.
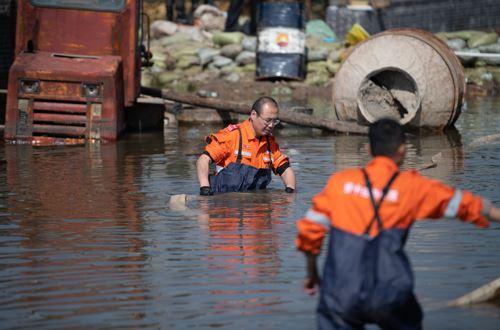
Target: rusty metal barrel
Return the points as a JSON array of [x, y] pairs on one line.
[[406, 74]]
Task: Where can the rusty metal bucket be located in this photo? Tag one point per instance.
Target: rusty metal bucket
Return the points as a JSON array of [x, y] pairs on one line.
[[407, 74]]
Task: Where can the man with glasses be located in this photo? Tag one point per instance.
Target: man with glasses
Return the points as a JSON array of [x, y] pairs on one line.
[[245, 154]]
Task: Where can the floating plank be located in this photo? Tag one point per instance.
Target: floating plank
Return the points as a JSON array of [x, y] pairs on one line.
[[486, 293]]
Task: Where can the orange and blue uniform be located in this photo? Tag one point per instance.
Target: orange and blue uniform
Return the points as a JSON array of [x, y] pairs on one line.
[[368, 213], [244, 161]]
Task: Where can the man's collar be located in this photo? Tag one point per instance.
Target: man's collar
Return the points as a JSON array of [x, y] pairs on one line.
[[247, 126], [384, 161]]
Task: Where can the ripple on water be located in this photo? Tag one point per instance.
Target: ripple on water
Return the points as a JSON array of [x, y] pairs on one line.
[[87, 238]]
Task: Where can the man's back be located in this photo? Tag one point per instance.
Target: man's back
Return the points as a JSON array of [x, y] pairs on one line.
[[411, 197], [367, 276]]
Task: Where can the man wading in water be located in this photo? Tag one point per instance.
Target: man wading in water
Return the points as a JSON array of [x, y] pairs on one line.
[[368, 211], [245, 154]]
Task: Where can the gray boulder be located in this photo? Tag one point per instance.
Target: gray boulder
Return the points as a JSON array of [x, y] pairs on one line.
[[232, 77], [317, 55], [221, 61], [161, 29], [249, 43], [210, 18], [493, 48], [231, 50], [492, 60], [456, 44], [228, 69], [245, 57], [206, 55]]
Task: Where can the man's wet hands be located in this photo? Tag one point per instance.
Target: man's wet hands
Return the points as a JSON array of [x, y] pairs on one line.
[[205, 191]]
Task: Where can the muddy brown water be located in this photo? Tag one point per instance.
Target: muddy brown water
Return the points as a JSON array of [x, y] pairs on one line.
[[87, 239]]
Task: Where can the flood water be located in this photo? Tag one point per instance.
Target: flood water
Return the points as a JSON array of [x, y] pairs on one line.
[[87, 239]]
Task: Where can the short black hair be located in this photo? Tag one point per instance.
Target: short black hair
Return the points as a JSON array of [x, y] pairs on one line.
[[386, 135], [261, 101]]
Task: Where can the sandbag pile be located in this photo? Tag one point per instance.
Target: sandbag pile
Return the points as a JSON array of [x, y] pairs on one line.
[[185, 56], [188, 56], [479, 52]]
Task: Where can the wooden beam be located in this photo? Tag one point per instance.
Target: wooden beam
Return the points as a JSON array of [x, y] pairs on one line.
[[286, 115]]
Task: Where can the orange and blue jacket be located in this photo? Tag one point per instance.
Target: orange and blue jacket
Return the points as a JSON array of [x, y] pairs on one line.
[[223, 147], [345, 203]]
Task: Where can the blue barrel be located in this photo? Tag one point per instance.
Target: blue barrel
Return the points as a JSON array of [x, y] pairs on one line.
[[281, 48]]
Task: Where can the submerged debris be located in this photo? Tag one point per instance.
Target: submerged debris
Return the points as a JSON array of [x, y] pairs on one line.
[[487, 293]]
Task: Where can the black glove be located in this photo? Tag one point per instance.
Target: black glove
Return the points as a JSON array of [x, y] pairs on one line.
[[289, 190], [205, 191]]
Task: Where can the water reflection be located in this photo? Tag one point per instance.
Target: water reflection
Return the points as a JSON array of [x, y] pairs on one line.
[[243, 247], [351, 151], [181, 141], [424, 146], [241, 231], [87, 239], [83, 177], [74, 214]]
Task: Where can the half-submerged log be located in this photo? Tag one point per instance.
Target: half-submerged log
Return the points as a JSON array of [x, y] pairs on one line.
[[489, 292], [285, 115]]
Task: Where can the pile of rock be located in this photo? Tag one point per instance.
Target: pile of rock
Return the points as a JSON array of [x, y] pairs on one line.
[[187, 56], [479, 52]]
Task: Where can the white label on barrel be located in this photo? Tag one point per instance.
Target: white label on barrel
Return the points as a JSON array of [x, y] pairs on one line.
[[282, 40]]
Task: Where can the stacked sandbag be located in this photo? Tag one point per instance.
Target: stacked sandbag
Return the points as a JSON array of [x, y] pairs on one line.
[[468, 43], [186, 56], [479, 52]]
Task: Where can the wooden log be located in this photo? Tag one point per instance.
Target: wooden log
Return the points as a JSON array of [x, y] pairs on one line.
[[285, 115], [434, 162], [478, 142], [485, 293]]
